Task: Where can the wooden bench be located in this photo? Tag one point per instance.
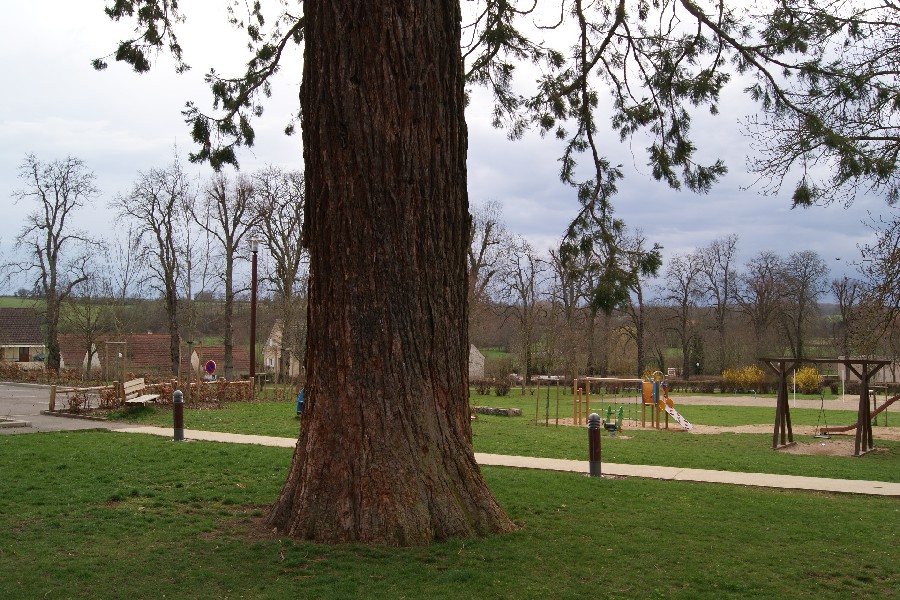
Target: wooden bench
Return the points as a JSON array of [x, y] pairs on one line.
[[131, 391]]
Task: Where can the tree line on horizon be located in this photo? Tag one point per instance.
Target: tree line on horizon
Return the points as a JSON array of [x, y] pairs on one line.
[[701, 312], [177, 239], [180, 265]]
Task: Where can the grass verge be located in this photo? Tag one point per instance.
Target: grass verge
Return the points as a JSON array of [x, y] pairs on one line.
[[102, 515], [518, 436]]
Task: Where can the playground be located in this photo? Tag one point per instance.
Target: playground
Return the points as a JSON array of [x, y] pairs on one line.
[[639, 404]]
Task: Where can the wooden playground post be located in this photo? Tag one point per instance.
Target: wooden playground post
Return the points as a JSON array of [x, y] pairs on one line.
[[587, 399], [783, 431], [868, 368], [557, 403], [577, 400], [785, 366], [574, 398]]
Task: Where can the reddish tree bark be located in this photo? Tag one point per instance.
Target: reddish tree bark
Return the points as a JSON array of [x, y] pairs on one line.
[[385, 454]]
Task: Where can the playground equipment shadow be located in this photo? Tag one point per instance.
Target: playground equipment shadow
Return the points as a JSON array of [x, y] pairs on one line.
[[849, 486]]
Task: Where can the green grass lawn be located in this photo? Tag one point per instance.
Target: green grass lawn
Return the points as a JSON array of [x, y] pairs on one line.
[[104, 515], [749, 453], [711, 414], [496, 353], [519, 436], [254, 418]]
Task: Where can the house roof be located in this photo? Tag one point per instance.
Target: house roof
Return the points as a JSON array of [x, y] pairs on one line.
[[146, 351], [239, 354], [20, 327], [274, 338], [72, 349]]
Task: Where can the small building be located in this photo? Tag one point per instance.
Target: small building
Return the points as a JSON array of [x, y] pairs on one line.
[[887, 374], [272, 352], [21, 339], [476, 363]]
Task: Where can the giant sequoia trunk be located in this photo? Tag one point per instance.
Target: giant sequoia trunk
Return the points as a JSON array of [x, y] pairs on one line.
[[385, 451]]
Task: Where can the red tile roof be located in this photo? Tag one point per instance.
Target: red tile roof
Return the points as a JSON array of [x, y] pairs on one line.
[[72, 349], [20, 327], [239, 355], [148, 351]]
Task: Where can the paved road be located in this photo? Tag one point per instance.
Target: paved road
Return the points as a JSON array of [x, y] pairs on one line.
[[23, 403]]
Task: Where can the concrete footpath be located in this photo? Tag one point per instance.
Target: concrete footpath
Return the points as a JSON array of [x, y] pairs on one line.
[[847, 486]]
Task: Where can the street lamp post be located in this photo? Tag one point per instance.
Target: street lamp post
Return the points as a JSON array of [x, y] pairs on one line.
[[254, 247]]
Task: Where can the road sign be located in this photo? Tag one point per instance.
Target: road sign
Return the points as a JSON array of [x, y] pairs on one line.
[[210, 367]]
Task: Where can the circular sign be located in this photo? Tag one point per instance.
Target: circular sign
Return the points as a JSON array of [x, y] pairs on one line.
[[211, 367]]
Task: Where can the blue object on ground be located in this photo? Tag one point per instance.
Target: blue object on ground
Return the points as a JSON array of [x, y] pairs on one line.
[[300, 403]]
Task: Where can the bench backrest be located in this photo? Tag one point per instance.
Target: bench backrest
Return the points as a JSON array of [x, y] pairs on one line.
[[133, 387]]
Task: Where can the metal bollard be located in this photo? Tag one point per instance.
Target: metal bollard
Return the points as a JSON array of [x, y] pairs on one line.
[[178, 413], [594, 445]]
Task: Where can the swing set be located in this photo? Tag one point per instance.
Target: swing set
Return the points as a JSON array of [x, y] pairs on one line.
[[626, 395], [864, 368], [631, 396]]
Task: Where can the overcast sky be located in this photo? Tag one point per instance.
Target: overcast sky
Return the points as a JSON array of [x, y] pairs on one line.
[[120, 123]]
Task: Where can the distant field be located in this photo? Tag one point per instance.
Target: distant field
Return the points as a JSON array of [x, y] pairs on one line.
[[495, 353], [14, 302]]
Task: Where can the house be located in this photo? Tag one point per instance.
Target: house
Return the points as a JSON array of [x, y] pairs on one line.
[[272, 352], [476, 363], [21, 339]]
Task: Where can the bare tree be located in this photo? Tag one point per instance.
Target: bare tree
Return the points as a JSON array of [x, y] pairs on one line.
[[279, 212], [194, 253], [681, 294], [805, 279], [127, 274], [155, 207], [719, 278], [227, 213], [56, 254], [848, 293], [488, 251], [88, 311], [523, 279], [637, 264], [881, 262], [568, 293], [618, 262], [759, 295]]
